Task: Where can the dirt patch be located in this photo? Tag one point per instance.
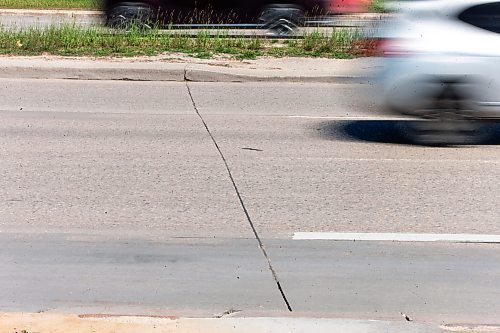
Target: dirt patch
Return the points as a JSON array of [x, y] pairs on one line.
[[59, 323]]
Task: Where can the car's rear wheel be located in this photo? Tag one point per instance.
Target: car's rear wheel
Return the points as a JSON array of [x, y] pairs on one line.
[[131, 16], [447, 120], [282, 19]]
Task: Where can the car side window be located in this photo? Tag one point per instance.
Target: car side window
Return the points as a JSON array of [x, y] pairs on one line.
[[485, 16]]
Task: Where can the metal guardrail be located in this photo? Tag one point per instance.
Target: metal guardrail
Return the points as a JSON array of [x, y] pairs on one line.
[[20, 19]]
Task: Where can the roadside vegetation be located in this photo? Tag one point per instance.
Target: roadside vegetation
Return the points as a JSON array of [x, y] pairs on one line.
[[75, 41], [51, 4], [378, 6]]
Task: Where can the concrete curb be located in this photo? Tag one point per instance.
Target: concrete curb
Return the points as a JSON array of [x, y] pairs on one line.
[[180, 71], [165, 75], [208, 76], [113, 74], [45, 323]]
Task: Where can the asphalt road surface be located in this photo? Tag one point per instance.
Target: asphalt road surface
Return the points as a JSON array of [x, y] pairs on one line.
[[184, 199]]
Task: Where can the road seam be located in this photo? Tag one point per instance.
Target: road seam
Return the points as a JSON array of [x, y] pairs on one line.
[[240, 199]]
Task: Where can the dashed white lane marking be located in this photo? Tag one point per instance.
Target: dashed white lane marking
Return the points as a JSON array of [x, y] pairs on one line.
[[353, 118], [410, 160], [397, 237]]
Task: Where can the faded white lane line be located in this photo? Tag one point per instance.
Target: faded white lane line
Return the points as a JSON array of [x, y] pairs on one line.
[[397, 237], [410, 160], [429, 161], [352, 118]]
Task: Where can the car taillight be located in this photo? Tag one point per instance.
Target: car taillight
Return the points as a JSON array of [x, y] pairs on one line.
[[349, 6], [392, 47]]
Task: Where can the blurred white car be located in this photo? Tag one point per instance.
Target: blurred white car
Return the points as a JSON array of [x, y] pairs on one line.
[[443, 65]]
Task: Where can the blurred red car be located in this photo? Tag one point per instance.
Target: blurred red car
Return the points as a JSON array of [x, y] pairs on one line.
[[349, 6], [279, 15]]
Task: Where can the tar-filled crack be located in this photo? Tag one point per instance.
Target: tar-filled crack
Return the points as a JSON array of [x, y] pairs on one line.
[[240, 199], [406, 317], [186, 79], [227, 313], [252, 149]]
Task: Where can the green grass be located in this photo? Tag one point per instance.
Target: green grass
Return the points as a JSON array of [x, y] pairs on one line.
[[74, 41], [51, 4], [378, 6]]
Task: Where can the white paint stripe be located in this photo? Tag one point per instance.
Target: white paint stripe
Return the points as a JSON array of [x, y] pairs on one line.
[[397, 237], [349, 118], [409, 160]]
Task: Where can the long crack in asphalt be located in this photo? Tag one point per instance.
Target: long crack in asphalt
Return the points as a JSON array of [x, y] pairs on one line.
[[240, 199]]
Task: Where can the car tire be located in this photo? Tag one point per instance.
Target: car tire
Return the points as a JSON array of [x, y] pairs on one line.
[[282, 19], [130, 16], [447, 119]]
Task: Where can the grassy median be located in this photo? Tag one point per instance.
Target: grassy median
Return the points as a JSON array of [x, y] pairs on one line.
[[75, 41], [378, 6], [51, 4]]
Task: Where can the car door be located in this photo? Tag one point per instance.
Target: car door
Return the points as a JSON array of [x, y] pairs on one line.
[[483, 41], [223, 11], [186, 11]]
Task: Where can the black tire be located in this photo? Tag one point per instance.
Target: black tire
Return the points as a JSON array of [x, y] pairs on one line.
[[131, 16], [282, 19], [447, 119]]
